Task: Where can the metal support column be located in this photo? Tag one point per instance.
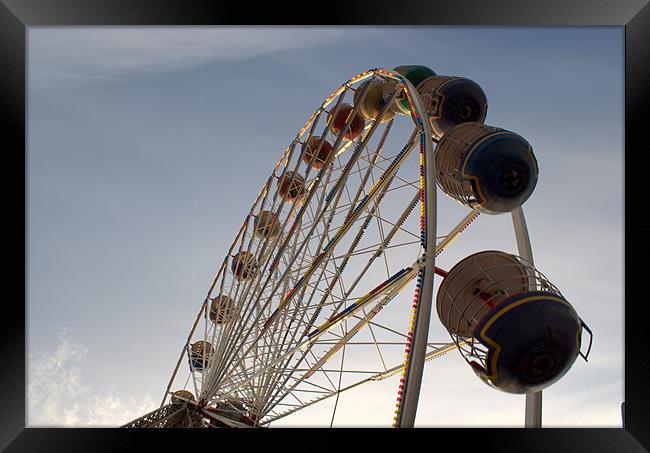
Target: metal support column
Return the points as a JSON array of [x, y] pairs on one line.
[[533, 417]]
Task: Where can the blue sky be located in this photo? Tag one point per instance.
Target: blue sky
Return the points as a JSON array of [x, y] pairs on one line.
[[146, 147]]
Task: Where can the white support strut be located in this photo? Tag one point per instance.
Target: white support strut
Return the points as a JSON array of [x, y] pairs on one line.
[[533, 413]]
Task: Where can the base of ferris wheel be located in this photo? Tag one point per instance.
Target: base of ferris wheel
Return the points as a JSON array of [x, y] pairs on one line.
[[187, 414], [512, 326]]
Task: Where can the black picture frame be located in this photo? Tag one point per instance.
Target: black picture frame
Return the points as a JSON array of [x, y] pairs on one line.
[[17, 15]]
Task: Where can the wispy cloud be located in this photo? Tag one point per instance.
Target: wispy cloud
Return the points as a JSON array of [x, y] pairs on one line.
[[57, 394], [81, 55]]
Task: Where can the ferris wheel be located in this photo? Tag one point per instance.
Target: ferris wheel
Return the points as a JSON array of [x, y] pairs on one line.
[[329, 282]]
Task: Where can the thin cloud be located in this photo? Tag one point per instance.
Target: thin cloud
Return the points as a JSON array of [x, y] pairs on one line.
[[73, 55], [57, 394]]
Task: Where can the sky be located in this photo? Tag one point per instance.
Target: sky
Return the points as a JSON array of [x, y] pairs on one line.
[[147, 146]]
